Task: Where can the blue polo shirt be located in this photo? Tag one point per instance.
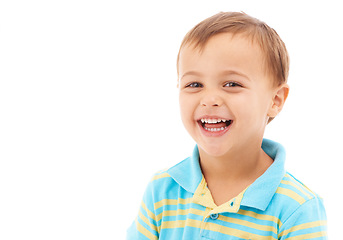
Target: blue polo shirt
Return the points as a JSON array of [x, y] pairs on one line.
[[178, 205]]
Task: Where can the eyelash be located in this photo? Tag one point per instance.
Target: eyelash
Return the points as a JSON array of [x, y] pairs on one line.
[[232, 84], [189, 85], [236, 84]]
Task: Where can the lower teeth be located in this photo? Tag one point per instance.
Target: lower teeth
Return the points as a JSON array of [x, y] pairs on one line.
[[214, 129]]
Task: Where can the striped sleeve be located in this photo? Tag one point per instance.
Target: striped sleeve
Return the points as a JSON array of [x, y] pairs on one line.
[[307, 222], [145, 227]]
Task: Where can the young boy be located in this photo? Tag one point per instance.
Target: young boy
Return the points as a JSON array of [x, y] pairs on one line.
[[232, 71]]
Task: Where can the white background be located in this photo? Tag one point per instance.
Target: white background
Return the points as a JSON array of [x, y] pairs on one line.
[[89, 107]]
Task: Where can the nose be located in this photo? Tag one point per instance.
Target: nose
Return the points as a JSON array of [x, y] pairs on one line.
[[211, 100]]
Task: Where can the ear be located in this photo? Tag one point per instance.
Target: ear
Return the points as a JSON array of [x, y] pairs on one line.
[[279, 98]]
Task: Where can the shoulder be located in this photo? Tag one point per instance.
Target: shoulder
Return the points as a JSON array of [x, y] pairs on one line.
[[294, 190], [165, 179], [302, 213], [162, 174], [294, 197], [160, 180], [166, 174]]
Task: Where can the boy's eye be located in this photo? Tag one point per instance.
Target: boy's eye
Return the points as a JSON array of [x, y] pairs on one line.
[[194, 85], [232, 84]]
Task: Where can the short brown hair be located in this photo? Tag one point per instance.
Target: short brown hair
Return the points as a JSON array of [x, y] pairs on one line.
[[274, 49]]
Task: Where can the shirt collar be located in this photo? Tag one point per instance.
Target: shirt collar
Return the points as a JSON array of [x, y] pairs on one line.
[[188, 172], [258, 195]]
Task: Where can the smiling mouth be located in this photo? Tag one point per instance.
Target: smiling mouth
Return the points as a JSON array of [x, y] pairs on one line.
[[214, 125]]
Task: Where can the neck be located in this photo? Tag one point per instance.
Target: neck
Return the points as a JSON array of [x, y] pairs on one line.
[[237, 165]]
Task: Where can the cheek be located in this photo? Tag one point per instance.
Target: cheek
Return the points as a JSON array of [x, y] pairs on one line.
[[243, 106], [186, 108], [182, 105], [250, 109]]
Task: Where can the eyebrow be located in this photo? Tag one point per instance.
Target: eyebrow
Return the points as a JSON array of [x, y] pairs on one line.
[[191, 73], [233, 72], [224, 73]]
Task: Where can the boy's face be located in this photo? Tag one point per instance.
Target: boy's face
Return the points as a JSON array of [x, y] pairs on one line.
[[226, 96]]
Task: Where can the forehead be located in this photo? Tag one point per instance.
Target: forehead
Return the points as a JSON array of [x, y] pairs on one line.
[[223, 52]]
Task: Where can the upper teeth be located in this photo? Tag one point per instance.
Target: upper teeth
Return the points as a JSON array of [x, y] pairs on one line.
[[206, 120]]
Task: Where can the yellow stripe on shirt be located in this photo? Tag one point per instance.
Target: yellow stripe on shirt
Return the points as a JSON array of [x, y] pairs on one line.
[[264, 217], [159, 176], [172, 202], [145, 232], [303, 226], [308, 236], [291, 193]]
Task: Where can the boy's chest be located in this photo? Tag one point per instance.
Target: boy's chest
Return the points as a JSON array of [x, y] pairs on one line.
[[194, 221]]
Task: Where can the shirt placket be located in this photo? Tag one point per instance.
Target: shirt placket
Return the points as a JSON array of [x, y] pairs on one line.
[[211, 222]]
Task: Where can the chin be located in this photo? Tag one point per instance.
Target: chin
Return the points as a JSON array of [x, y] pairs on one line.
[[215, 150]]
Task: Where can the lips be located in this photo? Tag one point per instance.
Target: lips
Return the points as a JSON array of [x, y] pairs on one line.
[[215, 125]]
